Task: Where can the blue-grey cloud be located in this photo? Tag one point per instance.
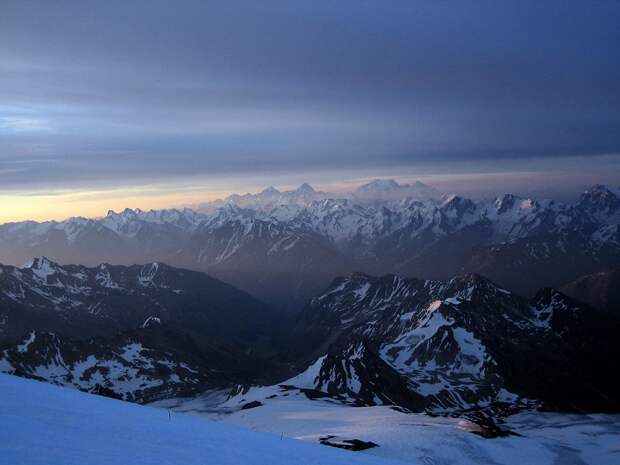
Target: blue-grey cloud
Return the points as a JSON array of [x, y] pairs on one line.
[[119, 91]]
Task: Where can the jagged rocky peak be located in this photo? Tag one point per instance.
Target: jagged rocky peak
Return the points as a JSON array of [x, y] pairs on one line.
[[172, 214], [123, 215], [597, 190], [507, 202], [459, 344], [390, 287], [354, 278], [600, 198], [305, 188], [148, 273], [457, 202], [125, 212], [481, 294], [455, 209], [472, 283], [42, 267], [551, 299], [37, 263]]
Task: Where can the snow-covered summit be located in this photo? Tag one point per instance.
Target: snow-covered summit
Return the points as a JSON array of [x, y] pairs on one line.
[[305, 188], [390, 190], [40, 263]]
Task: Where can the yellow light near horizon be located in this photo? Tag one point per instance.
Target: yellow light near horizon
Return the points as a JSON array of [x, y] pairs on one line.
[[43, 207]]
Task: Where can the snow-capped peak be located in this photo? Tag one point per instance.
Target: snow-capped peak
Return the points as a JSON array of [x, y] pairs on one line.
[[42, 267], [391, 190], [34, 262], [269, 191], [40, 263], [305, 188], [147, 274], [379, 185], [598, 196]]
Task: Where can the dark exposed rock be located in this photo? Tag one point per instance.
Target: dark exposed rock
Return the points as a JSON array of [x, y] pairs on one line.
[[485, 426], [140, 366], [461, 345], [348, 444], [250, 405], [77, 302]]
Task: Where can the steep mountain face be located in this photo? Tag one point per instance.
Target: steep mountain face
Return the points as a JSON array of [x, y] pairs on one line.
[[138, 366], [141, 333], [285, 246], [601, 290], [456, 345], [79, 302], [268, 258]]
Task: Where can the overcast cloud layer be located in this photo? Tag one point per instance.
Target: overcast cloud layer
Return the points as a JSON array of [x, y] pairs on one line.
[[116, 93]]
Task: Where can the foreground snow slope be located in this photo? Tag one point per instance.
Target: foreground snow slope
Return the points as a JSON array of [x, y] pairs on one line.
[[44, 424], [545, 438]]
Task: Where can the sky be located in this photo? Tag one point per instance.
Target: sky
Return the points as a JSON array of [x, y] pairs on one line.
[[151, 104]]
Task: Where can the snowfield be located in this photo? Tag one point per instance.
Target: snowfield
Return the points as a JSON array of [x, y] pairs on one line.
[[41, 424], [546, 438], [44, 424]]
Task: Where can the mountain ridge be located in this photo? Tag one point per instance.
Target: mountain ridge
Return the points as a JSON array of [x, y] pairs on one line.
[[79, 302], [522, 243], [456, 345], [452, 346]]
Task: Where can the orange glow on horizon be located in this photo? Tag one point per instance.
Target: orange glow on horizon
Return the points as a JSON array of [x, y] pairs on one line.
[[91, 204]]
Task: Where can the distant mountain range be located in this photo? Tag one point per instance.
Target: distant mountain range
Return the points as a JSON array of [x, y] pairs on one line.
[[378, 190], [285, 247]]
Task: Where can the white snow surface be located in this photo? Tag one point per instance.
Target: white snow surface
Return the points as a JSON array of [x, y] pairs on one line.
[[547, 438], [41, 424], [24, 346]]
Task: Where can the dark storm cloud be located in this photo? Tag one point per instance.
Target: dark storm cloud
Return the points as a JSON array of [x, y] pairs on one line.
[[117, 91]]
